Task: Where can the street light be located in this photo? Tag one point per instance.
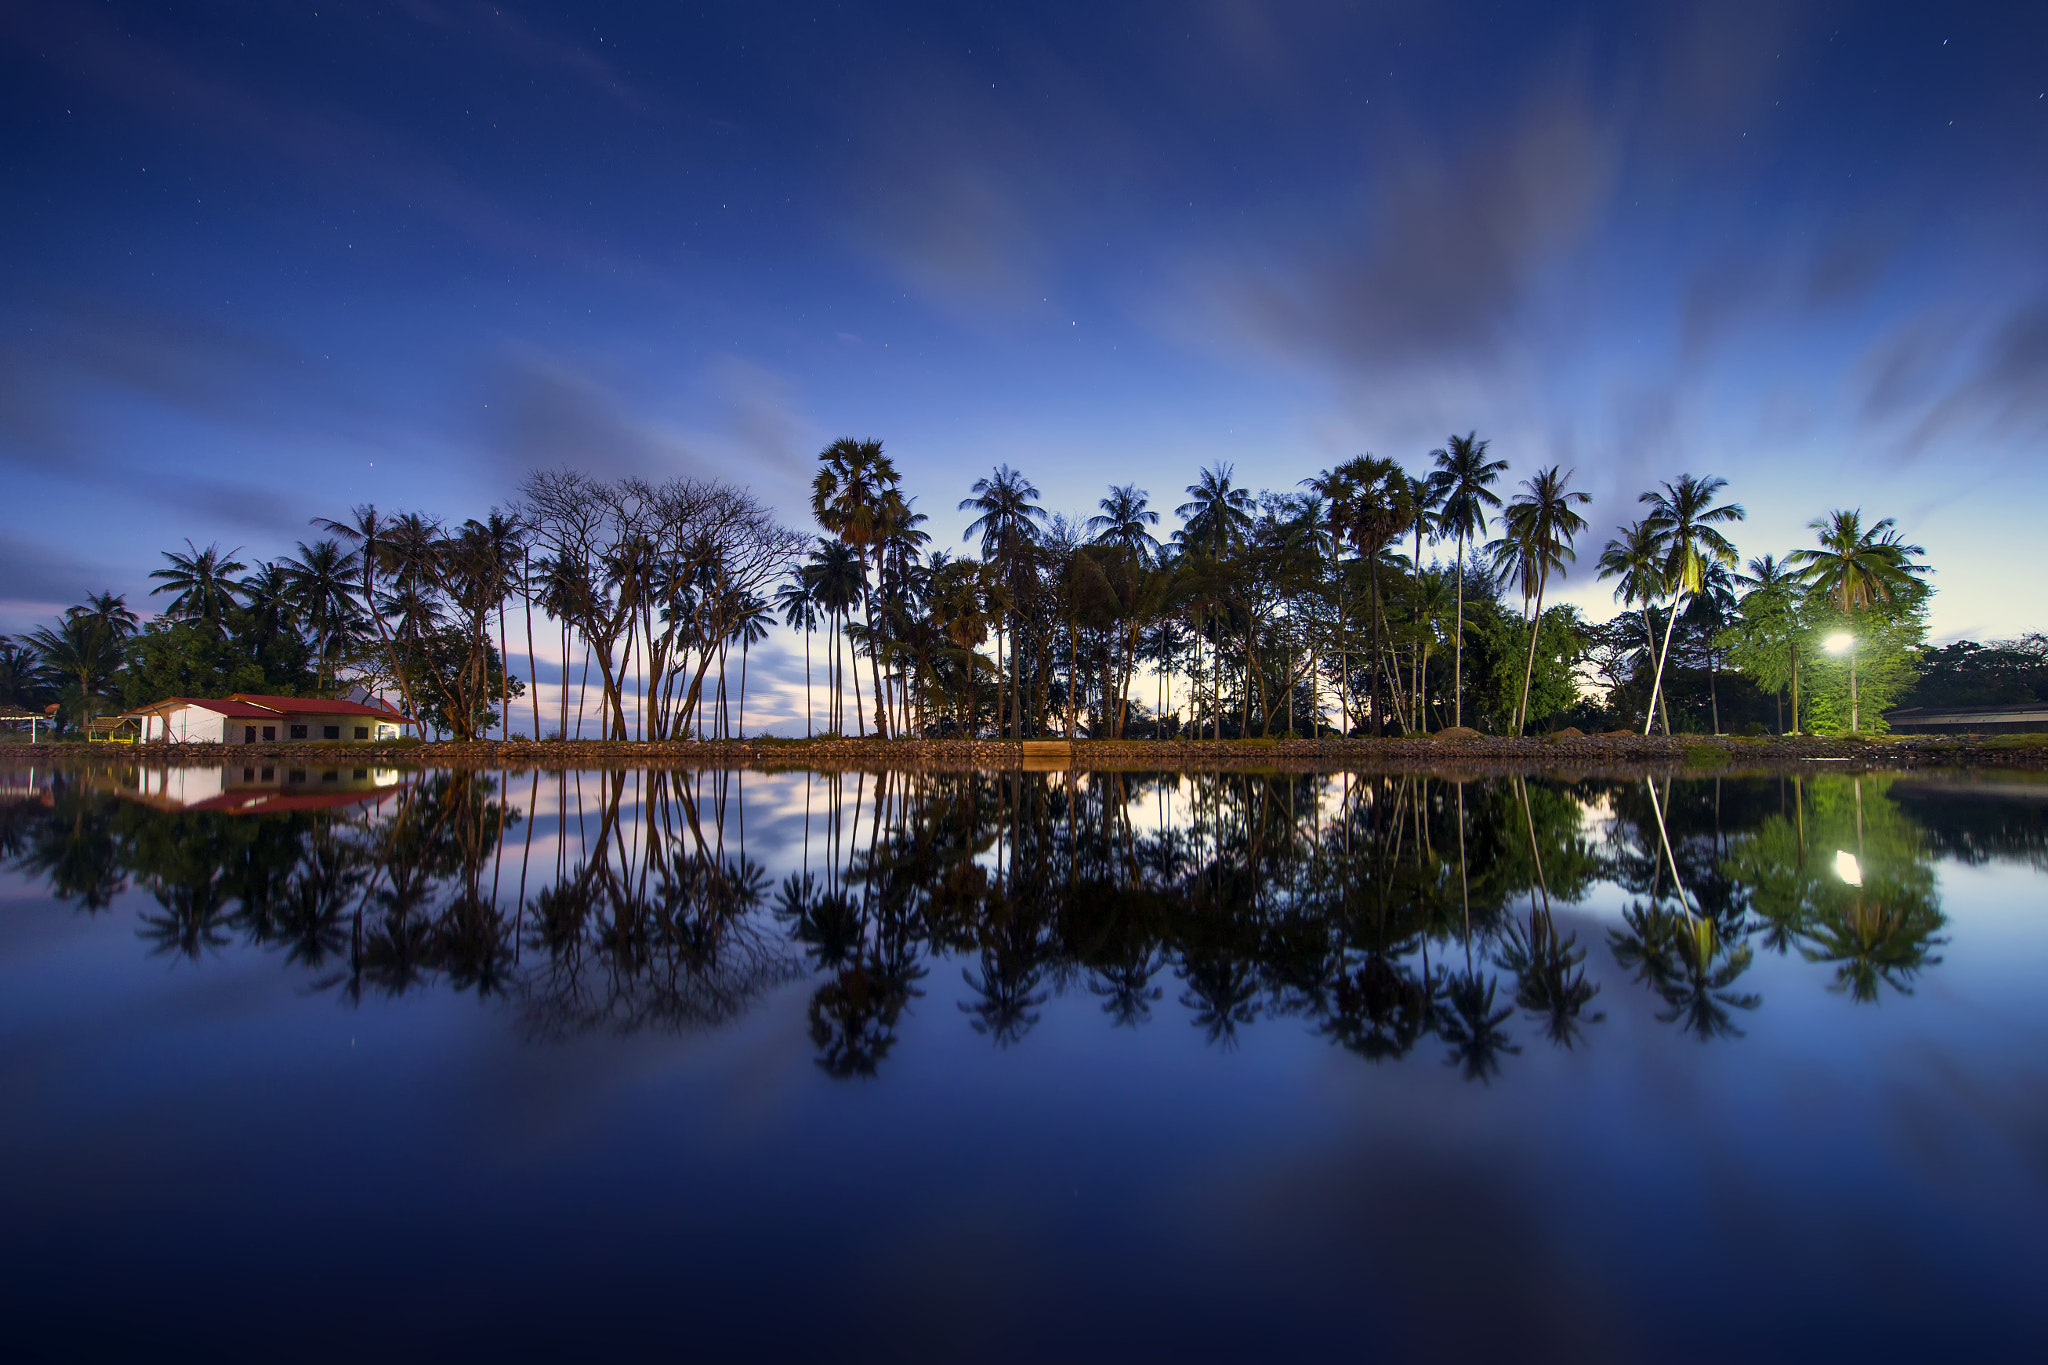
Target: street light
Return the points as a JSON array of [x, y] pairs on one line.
[[1842, 642]]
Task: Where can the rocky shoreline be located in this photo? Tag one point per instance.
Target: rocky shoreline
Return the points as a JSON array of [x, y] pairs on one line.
[[1472, 752]]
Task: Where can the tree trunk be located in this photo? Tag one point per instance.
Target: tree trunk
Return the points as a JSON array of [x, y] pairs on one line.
[[874, 645], [1458, 647], [1529, 668], [1657, 685]]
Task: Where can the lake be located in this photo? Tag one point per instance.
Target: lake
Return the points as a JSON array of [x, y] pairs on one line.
[[359, 1063]]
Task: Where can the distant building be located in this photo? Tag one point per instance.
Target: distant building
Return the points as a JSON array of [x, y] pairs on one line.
[[253, 718], [2019, 718]]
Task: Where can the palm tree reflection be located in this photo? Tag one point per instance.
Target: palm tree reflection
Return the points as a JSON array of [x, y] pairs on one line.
[[1377, 911]]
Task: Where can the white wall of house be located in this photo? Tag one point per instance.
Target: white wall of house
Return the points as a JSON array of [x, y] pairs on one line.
[[344, 727], [197, 725], [186, 725]]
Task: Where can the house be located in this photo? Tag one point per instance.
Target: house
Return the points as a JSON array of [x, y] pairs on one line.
[[250, 718], [2027, 717]]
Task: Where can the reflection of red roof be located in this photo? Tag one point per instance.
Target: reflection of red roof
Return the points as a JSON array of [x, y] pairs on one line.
[[261, 802], [318, 706]]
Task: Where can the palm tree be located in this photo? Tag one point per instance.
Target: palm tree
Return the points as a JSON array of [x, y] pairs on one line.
[[848, 499], [1635, 559], [1538, 528], [1684, 517], [1772, 583], [1427, 496], [110, 610], [1466, 477], [750, 628], [800, 613], [375, 540], [1382, 508], [203, 583], [1333, 490], [323, 591], [1123, 521], [1004, 519], [834, 578], [500, 541], [83, 657], [20, 670], [270, 610], [1217, 516], [1856, 568], [900, 578]]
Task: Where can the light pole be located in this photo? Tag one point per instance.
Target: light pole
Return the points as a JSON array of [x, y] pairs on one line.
[[1842, 642]]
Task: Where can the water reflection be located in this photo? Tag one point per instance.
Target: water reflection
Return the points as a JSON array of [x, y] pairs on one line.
[[1397, 916]]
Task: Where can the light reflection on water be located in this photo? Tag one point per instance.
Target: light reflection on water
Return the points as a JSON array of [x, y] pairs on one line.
[[840, 1053]]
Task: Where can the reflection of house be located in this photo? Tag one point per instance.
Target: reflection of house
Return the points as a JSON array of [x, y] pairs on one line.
[[255, 789], [252, 718], [2020, 718]]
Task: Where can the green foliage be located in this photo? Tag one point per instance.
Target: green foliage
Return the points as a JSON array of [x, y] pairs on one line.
[[1496, 641], [1970, 674], [189, 658], [433, 664], [1889, 638]]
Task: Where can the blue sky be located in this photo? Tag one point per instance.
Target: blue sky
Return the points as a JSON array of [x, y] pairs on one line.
[[265, 262]]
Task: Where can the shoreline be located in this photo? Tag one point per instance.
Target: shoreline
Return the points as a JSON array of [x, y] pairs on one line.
[[1700, 753]]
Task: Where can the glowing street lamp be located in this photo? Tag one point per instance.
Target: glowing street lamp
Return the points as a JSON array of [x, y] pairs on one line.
[[1842, 642]]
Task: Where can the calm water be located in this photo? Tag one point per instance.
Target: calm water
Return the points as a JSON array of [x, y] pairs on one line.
[[359, 1064]]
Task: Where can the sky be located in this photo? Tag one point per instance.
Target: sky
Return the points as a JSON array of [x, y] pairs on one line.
[[265, 262]]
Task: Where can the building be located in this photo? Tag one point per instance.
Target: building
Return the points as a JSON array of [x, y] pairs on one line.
[[2020, 718], [251, 718]]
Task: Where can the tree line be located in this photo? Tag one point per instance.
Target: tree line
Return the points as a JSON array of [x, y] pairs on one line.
[[1366, 599]]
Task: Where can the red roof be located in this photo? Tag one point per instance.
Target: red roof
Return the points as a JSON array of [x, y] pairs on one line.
[[255, 706], [319, 706]]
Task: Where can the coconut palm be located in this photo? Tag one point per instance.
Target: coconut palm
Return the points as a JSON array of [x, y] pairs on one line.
[[1005, 520], [1855, 568], [1635, 560], [800, 613], [1466, 477], [1686, 521], [750, 628], [1428, 497], [1217, 515], [269, 608], [1538, 527], [110, 610], [1125, 515], [20, 672], [848, 497], [376, 547], [322, 586], [834, 577], [1381, 509], [204, 583], [82, 657], [1771, 586]]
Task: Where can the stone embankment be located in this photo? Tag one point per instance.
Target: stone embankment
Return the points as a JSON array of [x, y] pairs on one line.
[[1468, 751]]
